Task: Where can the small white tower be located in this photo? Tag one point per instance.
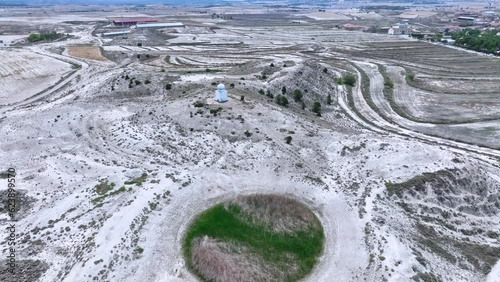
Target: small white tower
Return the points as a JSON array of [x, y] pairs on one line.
[[221, 93]]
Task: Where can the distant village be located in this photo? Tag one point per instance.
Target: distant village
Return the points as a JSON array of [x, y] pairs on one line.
[[438, 28]]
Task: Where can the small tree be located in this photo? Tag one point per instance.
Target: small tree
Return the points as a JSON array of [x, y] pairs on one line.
[[168, 86], [272, 65], [288, 139], [139, 44], [325, 70], [410, 76], [283, 90], [349, 79], [316, 108], [297, 95], [34, 37], [242, 98], [329, 99], [303, 105], [147, 81], [282, 100], [261, 92]]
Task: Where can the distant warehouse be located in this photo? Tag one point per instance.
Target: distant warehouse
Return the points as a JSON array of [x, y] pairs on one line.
[[115, 33], [133, 21], [159, 25]]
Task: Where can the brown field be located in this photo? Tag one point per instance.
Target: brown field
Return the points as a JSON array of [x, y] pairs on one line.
[[87, 52]]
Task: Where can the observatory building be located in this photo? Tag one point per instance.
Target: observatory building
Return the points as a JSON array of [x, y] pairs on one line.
[[221, 93]]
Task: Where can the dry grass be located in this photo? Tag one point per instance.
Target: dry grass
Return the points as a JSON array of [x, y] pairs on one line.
[[280, 213], [87, 52], [225, 262]]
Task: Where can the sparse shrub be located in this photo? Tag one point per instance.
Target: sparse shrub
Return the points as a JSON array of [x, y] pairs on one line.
[[264, 76], [261, 92], [349, 79], [139, 44], [242, 98], [410, 76], [168, 86], [302, 105], [288, 139], [329, 99], [248, 133], [297, 95], [231, 85], [283, 90], [282, 100], [269, 94], [325, 70], [338, 80], [147, 81], [214, 83], [316, 108], [198, 104], [162, 70], [138, 82]]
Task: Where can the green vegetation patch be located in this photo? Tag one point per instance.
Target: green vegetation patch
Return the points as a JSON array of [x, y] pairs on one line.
[[103, 187], [257, 231], [474, 39], [137, 181]]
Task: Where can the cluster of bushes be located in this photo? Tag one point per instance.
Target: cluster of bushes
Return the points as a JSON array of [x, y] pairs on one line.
[[44, 36], [347, 79], [487, 42]]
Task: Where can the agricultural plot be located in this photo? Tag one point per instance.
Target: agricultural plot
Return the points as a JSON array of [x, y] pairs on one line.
[[24, 73], [436, 90], [86, 52]]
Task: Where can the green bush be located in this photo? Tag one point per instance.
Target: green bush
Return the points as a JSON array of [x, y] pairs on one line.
[[282, 100], [349, 79], [317, 108], [297, 95]]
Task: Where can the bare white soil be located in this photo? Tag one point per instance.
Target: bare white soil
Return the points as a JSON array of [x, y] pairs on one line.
[[24, 73]]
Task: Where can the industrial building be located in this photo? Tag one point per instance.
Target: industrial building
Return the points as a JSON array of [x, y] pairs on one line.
[[116, 33], [159, 25], [133, 21]]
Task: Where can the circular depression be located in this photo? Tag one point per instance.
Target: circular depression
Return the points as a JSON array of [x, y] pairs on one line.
[[257, 237]]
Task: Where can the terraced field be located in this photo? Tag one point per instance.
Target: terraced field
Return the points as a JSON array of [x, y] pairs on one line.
[[24, 73], [436, 90]]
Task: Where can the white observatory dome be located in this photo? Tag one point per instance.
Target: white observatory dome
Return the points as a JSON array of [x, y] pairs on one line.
[[221, 87]]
